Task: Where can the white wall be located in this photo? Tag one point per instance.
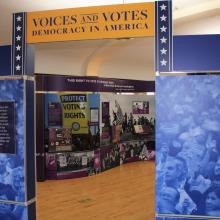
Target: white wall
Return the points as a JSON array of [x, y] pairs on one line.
[[127, 59], [63, 58], [201, 24]]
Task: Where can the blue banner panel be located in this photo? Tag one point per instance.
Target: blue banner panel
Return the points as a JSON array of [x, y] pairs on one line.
[[188, 146], [5, 60], [12, 171], [17, 171], [196, 53]]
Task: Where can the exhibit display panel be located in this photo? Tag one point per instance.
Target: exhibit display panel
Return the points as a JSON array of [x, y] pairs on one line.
[[17, 154], [88, 126], [72, 133], [187, 162]]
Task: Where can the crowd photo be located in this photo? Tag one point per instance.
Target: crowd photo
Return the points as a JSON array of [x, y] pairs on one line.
[[188, 145], [12, 187]]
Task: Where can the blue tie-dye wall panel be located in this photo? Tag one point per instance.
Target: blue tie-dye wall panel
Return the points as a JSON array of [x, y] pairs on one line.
[[188, 146], [17, 159]]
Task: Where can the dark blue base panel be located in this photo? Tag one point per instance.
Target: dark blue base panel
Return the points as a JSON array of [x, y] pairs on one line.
[[5, 60], [171, 218], [188, 146], [196, 53], [30, 149], [32, 211]]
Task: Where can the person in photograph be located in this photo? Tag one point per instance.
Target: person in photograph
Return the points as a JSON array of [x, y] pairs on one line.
[[197, 182], [135, 107], [212, 202], [18, 183], [127, 151], [103, 164], [143, 153], [167, 201], [97, 164], [122, 152], [145, 105], [175, 175], [18, 187], [216, 176], [115, 118]]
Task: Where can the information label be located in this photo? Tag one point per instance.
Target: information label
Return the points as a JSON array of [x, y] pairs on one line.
[[54, 114], [7, 127]]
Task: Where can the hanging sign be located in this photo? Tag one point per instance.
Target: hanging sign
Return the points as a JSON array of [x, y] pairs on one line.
[[115, 21]]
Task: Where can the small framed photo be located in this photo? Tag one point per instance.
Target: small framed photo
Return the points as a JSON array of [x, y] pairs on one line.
[[140, 107]]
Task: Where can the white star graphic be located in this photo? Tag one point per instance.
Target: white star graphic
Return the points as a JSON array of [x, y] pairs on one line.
[[163, 18], [18, 28], [18, 67], [163, 29], [18, 57], [19, 18], [163, 62], [163, 7], [18, 48], [163, 40], [18, 38], [163, 51]]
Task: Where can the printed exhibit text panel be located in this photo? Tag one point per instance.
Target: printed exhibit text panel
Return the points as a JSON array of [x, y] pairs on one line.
[[12, 171], [17, 163]]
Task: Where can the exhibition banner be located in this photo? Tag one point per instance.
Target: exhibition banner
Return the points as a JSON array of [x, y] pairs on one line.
[[17, 163], [70, 164], [12, 169], [75, 112], [93, 83], [113, 21], [188, 146]]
